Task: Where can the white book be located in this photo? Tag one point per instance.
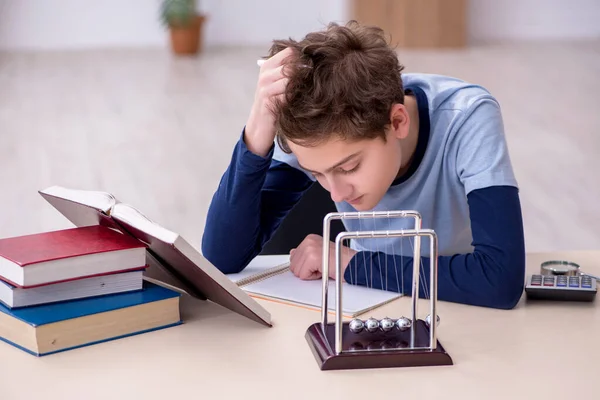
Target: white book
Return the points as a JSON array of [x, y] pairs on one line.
[[269, 277], [15, 297]]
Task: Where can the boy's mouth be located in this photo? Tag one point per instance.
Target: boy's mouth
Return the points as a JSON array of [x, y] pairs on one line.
[[356, 200]]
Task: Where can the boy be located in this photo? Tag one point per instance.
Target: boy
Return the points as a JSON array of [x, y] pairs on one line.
[[334, 108]]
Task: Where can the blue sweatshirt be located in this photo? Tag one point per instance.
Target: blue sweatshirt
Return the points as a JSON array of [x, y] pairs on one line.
[[461, 181]]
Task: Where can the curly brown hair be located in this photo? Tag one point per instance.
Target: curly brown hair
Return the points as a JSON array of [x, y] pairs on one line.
[[342, 83]]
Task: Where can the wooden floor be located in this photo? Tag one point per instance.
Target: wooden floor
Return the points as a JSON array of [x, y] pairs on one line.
[[158, 132]]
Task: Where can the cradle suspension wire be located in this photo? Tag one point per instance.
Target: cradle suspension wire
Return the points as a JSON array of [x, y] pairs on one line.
[[400, 288], [349, 260], [350, 242], [356, 263], [386, 264], [421, 273], [401, 264], [370, 264], [363, 252], [379, 263]]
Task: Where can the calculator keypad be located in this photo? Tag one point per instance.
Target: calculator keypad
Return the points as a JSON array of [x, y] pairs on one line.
[[574, 281], [548, 281], [561, 287], [562, 281]]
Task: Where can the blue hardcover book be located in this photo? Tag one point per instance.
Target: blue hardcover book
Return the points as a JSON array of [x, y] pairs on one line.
[[51, 328]]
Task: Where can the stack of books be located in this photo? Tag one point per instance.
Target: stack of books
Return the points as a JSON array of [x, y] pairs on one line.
[[70, 288]]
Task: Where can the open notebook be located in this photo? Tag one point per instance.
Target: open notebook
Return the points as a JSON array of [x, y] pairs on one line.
[[269, 277], [171, 259]]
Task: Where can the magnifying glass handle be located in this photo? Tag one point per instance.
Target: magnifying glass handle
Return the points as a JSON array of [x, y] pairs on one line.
[[597, 278]]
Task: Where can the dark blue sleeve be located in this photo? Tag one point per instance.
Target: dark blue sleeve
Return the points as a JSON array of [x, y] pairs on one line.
[[253, 197], [492, 275]]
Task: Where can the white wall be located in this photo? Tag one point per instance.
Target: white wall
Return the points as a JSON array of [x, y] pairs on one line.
[[58, 24], [71, 24], [256, 22], [505, 20]]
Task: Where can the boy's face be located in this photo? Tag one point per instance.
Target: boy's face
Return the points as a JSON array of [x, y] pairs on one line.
[[359, 173]]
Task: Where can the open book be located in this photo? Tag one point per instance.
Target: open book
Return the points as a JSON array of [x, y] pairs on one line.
[[269, 277], [171, 258]]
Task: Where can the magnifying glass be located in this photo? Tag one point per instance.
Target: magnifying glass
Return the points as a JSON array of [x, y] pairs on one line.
[[561, 267]]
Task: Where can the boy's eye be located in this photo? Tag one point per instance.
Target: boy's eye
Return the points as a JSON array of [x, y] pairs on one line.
[[349, 171]]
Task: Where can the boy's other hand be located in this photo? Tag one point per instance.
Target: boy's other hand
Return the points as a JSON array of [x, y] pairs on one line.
[[306, 259], [260, 128]]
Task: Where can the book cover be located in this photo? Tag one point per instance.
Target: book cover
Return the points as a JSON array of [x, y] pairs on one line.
[[51, 313], [171, 259], [55, 245], [68, 254], [48, 329], [174, 256]]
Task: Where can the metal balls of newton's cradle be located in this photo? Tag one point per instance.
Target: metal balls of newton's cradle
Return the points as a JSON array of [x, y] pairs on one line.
[[372, 325], [356, 325], [386, 324], [428, 320], [403, 324]]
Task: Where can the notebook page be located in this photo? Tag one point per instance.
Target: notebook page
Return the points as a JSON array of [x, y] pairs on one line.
[[288, 287], [258, 266]]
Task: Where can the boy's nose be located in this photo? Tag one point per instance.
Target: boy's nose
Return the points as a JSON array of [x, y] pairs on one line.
[[339, 192]]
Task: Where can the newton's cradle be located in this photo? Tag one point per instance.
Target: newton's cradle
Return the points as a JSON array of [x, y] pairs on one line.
[[372, 343]]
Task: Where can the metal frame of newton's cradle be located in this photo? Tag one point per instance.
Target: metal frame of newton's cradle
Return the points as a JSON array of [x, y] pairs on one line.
[[335, 346]]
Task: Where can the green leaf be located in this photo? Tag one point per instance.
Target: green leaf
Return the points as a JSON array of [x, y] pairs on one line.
[[180, 13]]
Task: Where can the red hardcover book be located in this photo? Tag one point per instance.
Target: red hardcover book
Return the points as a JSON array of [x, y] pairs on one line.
[[68, 254]]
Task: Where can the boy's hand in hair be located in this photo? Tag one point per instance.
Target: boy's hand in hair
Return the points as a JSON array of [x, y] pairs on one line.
[[260, 128], [306, 259]]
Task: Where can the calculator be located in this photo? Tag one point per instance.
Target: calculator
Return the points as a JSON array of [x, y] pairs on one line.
[[561, 287]]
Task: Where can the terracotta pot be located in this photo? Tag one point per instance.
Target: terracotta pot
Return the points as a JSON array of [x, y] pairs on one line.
[[188, 39]]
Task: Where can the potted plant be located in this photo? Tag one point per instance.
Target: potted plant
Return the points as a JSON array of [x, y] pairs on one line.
[[185, 25]]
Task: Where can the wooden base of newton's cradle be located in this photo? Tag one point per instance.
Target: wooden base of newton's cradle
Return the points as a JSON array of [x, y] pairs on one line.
[[356, 348]]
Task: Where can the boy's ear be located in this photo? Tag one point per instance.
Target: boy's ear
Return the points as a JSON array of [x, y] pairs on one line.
[[400, 121]]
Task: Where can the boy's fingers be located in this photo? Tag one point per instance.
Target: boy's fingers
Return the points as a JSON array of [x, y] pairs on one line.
[[272, 75], [306, 272], [292, 259], [278, 87], [300, 264], [280, 57]]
